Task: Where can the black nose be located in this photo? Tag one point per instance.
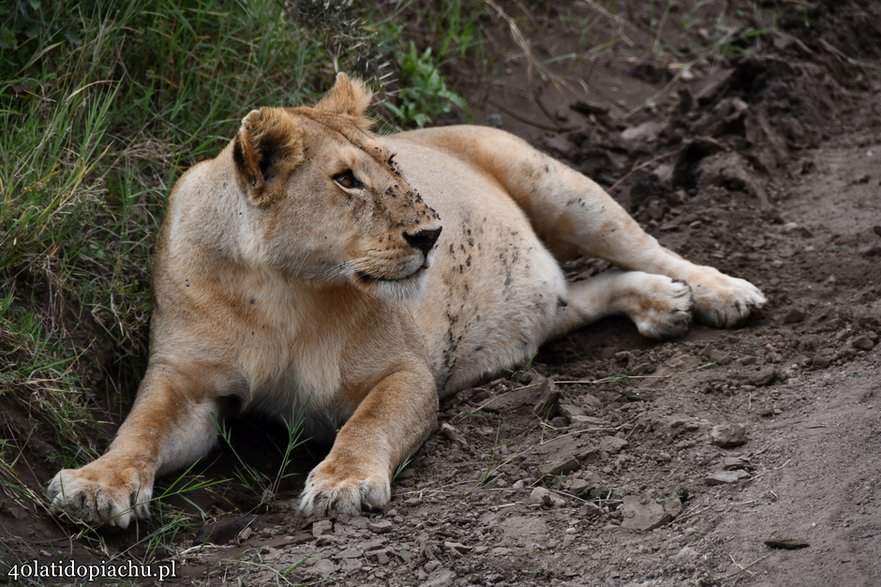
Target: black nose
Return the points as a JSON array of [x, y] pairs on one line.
[[423, 239]]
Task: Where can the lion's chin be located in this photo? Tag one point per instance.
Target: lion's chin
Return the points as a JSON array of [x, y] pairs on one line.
[[393, 290]]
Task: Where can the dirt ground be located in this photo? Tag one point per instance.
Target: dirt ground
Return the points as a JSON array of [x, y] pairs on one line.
[[746, 456]]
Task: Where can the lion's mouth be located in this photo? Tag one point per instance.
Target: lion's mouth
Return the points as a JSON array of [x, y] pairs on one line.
[[367, 278]]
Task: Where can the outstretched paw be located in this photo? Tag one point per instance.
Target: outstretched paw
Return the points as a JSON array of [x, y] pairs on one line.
[[664, 308], [101, 493], [332, 488], [724, 301]]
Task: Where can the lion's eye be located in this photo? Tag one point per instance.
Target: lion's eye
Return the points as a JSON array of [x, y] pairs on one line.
[[348, 180]]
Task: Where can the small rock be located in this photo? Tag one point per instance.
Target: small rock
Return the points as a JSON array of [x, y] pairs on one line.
[[380, 526], [539, 494], [731, 463], [794, 316], [350, 552], [570, 410], [643, 513], [453, 434], [686, 553], [245, 534], [442, 578], [588, 108], [792, 227], [380, 554], [562, 468], [579, 487], [589, 510], [519, 484], [580, 422], [647, 131], [672, 508], [763, 377], [612, 444], [457, 547], [323, 566], [321, 528], [559, 144], [786, 543], [547, 405], [545, 498], [726, 477], [863, 343], [728, 435]]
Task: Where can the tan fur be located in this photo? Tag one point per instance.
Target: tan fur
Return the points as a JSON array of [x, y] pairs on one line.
[[292, 286]]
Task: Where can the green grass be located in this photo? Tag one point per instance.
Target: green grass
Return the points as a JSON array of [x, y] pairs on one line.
[[256, 481], [103, 105]]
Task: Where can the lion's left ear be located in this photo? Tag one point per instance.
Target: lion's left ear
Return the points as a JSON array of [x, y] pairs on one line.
[[350, 97], [268, 146]]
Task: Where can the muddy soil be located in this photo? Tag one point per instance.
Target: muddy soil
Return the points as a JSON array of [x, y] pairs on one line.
[[746, 456]]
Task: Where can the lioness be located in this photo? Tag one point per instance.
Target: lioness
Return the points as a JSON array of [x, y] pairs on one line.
[[315, 266]]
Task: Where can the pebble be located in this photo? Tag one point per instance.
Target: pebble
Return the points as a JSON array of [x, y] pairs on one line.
[[350, 552], [323, 566], [763, 377], [612, 444], [245, 534], [731, 463], [442, 578], [578, 487], [457, 547], [863, 343], [322, 527], [647, 131], [539, 494], [560, 144], [641, 512], [794, 316], [568, 466], [726, 477], [686, 553], [728, 435], [545, 498], [786, 543], [380, 526]]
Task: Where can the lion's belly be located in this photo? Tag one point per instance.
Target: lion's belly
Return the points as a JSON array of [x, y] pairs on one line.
[[494, 291]]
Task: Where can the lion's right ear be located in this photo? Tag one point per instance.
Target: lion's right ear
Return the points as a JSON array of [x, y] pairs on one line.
[[267, 148]]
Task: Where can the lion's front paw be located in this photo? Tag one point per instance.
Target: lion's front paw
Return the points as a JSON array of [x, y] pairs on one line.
[[724, 301], [335, 489], [664, 310], [102, 493]]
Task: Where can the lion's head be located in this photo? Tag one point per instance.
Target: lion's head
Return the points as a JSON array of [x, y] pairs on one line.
[[326, 201]]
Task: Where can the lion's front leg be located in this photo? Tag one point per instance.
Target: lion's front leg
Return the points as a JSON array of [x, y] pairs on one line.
[[390, 423], [172, 424]]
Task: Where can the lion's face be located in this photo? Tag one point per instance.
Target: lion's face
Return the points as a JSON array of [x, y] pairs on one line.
[[328, 201]]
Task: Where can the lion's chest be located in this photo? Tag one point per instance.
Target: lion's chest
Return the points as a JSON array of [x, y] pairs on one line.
[[288, 366]]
